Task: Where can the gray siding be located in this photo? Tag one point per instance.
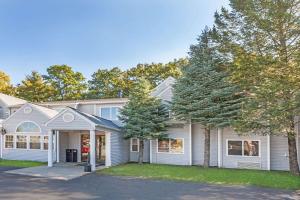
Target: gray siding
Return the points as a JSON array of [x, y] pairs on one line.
[[11, 124], [232, 161], [119, 149], [134, 156], [279, 153], [198, 146], [77, 124], [5, 111], [170, 158]]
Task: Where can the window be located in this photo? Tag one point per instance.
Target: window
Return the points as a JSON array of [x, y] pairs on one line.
[[110, 113], [235, 148], [28, 127], [45, 143], [242, 148], [251, 148], [134, 145], [1, 113], [21, 142], [35, 142], [170, 145], [9, 141]]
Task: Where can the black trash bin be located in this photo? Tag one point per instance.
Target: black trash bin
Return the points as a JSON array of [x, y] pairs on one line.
[[71, 155]]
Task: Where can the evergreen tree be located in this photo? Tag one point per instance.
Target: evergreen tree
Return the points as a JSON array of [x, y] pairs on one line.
[[68, 84], [144, 116], [35, 89], [203, 95], [261, 42]]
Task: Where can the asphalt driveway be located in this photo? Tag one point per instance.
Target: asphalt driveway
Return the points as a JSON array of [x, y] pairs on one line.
[[95, 186]]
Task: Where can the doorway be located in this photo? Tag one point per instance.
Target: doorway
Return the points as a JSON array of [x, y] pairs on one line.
[[100, 148]]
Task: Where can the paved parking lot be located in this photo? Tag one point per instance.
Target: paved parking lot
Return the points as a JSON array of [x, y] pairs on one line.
[[93, 186]]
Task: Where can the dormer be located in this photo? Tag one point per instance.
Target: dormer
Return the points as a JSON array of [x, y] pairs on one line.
[[9, 104]]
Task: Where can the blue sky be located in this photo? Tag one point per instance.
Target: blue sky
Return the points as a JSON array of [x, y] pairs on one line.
[[93, 34]]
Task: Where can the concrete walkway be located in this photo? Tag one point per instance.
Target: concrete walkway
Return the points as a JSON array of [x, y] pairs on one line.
[[59, 172]]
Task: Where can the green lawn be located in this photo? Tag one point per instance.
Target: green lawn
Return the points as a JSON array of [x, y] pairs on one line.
[[20, 163], [273, 179]]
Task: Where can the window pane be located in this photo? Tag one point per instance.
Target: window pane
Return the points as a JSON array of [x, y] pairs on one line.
[[176, 146], [105, 113], [134, 145], [28, 127], [115, 113], [35, 142], [21, 142], [9, 141], [251, 148], [235, 148], [163, 145], [45, 142]]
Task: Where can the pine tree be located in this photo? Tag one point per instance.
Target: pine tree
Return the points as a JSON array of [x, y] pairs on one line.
[[144, 116], [203, 95], [35, 89]]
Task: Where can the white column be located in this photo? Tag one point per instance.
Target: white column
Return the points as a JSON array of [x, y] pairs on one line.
[[107, 149], [1, 145], [191, 149], [150, 151], [57, 146], [50, 148], [268, 152], [220, 146], [93, 149]]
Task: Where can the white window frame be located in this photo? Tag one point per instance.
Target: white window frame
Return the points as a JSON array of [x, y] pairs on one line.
[[242, 140], [28, 132], [138, 145], [29, 141], [16, 141], [12, 141], [43, 142], [170, 146], [110, 108]]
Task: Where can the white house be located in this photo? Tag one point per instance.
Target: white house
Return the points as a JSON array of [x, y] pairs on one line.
[[66, 131]]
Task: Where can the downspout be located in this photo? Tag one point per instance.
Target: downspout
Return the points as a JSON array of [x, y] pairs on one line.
[[220, 151], [268, 152], [191, 153]]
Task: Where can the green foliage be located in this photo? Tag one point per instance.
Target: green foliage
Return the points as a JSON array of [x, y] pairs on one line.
[[108, 83], [261, 42], [35, 89], [203, 93], [68, 84], [5, 85], [144, 116]]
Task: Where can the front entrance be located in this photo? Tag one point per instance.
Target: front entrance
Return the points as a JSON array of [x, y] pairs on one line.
[[100, 148]]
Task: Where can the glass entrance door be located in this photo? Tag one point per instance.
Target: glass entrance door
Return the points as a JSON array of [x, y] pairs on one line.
[[100, 149]]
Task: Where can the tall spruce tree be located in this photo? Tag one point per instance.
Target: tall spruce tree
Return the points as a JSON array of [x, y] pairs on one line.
[[261, 41], [203, 95], [144, 116]]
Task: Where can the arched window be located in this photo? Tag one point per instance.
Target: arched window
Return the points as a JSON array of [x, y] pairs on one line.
[[28, 127], [1, 113]]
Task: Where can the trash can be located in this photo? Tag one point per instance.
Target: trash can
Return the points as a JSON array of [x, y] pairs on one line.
[[71, 155]]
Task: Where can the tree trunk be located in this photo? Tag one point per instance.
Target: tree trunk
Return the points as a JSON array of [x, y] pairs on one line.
[[206, 147], [141, 152], [293, 159]]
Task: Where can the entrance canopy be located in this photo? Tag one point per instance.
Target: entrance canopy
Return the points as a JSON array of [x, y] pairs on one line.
[[71, 119]]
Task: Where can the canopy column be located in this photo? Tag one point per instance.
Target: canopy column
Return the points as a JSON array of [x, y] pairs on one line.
[[93, 149], [50, 148]]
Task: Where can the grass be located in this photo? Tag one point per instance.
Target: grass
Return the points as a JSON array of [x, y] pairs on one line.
[[272, 179], [20, 163]]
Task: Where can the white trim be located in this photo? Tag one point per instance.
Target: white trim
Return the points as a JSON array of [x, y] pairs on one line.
[[150, 151], [1, 144], [93, 149], [108, 106], [138, 145], [57, 146], [220, 146], [50, 148], [93, 125], [268, 152], [191, 151], [107, 149], [40, 130], [242, 140], [170, 146]]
